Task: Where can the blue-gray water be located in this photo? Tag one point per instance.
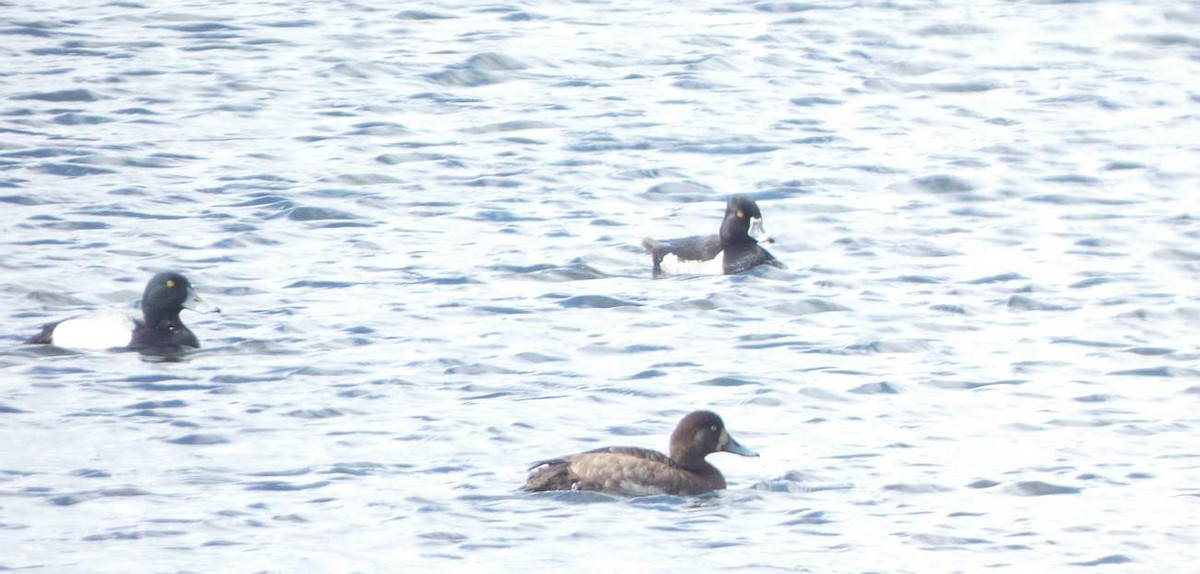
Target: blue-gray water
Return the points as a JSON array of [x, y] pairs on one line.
[[423, 224]]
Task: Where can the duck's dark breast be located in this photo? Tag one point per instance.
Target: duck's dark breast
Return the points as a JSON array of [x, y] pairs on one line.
[[747, 256]]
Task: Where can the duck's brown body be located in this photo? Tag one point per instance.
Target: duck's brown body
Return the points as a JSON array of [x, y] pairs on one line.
[[632, 471]]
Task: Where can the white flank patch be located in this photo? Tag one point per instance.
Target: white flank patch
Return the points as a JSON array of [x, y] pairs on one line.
[[676, 266], [94, 332]]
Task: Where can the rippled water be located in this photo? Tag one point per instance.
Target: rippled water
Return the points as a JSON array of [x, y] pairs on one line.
[[423, 224]]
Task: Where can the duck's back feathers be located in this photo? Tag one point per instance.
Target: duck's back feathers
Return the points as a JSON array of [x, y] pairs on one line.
[[700, 248], [623, 470]]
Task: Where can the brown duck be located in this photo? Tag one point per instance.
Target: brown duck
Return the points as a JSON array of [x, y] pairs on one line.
[[632, 471]]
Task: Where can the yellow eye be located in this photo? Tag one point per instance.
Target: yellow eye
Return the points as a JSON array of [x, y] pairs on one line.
[[741, 214], [170, 283]]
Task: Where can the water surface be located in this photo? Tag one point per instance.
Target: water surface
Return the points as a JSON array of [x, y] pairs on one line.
[[423, 223]]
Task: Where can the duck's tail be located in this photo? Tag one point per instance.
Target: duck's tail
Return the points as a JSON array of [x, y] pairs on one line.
[[553, 474]]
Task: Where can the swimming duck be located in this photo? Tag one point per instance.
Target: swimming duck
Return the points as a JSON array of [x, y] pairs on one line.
[[633, 471], [165, 296], [733, 250]]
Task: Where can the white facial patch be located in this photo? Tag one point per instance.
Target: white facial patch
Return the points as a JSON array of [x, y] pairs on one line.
[[94, 332]]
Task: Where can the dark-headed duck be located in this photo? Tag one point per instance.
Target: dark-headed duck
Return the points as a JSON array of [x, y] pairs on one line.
[[734, 250], [632, 471], [165, 296]]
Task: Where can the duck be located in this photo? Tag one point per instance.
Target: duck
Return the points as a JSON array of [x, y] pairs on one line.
[[166, 294], [634, 471], [734, 250]]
